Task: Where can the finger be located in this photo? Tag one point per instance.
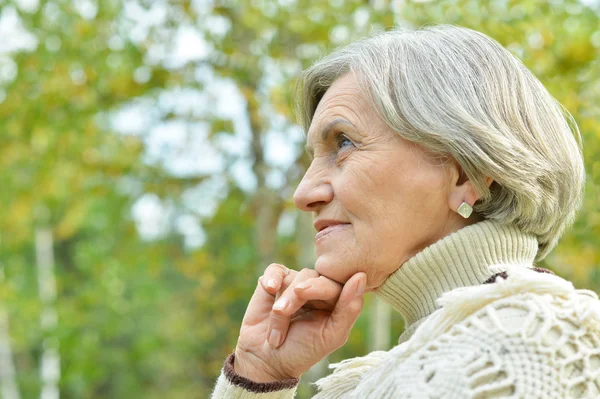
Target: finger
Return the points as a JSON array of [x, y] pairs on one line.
[[261, 303], [346, 311], [259, 307], [317, 293], [317, 289], [273, 277], [279, 320]]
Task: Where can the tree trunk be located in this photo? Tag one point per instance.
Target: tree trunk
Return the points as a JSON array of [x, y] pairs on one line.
[[8, 385], [266, 204], [379, 328], [50, 363]]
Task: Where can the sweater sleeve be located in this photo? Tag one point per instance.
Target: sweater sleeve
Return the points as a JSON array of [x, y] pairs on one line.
[[527, 346], [231, 385]]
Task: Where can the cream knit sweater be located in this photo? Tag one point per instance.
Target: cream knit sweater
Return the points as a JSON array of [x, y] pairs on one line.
[[531, 335]]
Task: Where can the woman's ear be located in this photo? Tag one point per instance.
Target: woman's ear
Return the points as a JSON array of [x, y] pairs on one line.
[[462, 188]]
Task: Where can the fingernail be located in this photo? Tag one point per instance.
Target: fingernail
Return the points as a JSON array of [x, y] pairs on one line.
[[360, 289], [274, 338], [281, 304], [303, 286], [272, 283]]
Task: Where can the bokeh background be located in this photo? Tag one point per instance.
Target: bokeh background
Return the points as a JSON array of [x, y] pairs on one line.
[[148, 154]]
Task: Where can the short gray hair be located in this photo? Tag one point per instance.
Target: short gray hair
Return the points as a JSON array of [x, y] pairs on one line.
[[457, 92]]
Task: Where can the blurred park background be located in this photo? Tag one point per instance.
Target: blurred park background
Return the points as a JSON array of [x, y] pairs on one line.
[[148, 154]]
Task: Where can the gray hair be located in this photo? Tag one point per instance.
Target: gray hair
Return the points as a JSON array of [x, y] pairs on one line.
[[457, 92]]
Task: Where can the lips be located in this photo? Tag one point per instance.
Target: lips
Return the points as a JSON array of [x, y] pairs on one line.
[[330, 229]]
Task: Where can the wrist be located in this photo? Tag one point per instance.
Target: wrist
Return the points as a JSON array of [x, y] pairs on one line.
[[253, 386], [253, 370]]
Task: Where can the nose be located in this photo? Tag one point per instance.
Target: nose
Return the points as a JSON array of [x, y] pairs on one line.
[[314, 191]]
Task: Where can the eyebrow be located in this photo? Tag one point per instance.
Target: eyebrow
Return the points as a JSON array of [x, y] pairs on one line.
[[326, 130]]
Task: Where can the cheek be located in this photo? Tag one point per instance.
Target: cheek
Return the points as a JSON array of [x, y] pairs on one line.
[[368, 202], [373, 194], [390, 210], [358, 187]]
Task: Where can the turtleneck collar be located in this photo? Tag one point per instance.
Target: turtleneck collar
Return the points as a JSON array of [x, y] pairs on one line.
[[466, 257]]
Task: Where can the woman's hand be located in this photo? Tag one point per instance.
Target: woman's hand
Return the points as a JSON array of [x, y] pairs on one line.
[[295, 319]]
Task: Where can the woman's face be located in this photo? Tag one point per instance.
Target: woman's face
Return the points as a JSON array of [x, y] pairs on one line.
[[376, 198]]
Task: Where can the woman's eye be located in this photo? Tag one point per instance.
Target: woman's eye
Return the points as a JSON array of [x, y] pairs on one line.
[[343, 142]]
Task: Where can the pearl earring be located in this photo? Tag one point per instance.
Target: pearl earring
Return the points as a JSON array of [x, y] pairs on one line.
[[464, 210]]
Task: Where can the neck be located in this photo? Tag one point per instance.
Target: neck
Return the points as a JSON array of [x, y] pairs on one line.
[[467, 257]]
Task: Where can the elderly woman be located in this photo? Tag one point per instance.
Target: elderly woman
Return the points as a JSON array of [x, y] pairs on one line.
[[442, 170]]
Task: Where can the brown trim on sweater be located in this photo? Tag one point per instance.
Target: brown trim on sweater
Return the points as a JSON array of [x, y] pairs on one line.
[[504, 275], [493, 278], [253, 386], [542, 270]]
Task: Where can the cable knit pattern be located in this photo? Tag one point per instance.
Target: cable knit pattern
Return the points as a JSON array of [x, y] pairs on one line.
[[529, 335]]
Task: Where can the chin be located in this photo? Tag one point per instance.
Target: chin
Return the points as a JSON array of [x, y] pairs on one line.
[[332, 269]]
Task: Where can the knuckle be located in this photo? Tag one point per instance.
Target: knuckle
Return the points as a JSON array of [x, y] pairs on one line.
[[261, 282], [308, 272], [303, 293], [277, 269], [271, 268], [278, 316], [278, 312], [325, 282]]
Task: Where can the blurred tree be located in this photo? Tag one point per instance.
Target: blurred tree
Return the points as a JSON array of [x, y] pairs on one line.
[[64, 169], [8, 385], [50, 357]]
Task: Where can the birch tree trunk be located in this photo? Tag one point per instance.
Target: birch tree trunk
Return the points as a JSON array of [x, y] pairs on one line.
[[8, 385], [50, 363], [380, 326]]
